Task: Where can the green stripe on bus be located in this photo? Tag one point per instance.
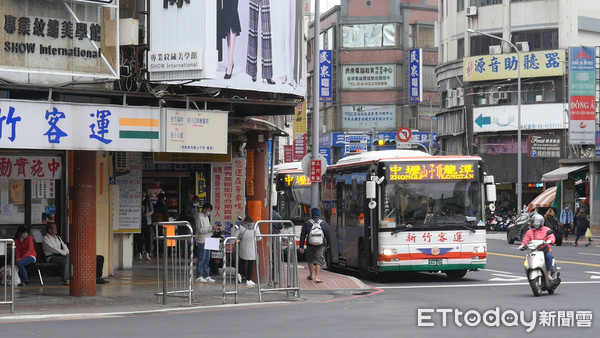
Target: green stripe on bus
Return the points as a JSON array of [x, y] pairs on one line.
[[138, 134], [430, 268]]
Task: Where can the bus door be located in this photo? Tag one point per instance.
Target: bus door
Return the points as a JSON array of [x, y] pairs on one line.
[[340, 231]]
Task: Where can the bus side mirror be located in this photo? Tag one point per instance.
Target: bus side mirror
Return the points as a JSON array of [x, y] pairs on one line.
[[490, 192]]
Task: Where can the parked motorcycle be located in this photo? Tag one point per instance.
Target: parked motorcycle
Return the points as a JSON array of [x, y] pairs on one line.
[[535, 268], [494, 223], [216, 257]]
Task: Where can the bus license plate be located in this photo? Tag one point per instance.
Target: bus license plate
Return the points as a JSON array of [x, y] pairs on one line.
[[435, 262]]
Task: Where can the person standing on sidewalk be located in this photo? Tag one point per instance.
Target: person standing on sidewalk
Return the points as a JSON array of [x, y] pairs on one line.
[[143, 240], [204, 230], [248, 234], [582, 225], [24, 253], [313, 232], [566, 219]]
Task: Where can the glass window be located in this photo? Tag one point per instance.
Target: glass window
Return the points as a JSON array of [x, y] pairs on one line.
[[460, 49], [460, 5], [368, 35], [426, 38]]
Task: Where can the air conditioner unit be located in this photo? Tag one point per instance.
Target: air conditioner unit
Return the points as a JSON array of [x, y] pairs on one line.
[[121, 163], [449, 102], [495, 49], [471, 11], [450, 93], [129, 32], [460, 101], [460, 91], [483, 101], [503, 96], [454, 101], [523, 46], [539, 98]]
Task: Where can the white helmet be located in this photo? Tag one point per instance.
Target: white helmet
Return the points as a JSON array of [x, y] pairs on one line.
[[537, 221]]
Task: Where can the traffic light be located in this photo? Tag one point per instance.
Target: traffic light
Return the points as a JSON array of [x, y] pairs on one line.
[[378, 142], [390, 142]]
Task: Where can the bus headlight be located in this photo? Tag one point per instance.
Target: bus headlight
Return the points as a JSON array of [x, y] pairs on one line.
[[479, 249], [389, 252]]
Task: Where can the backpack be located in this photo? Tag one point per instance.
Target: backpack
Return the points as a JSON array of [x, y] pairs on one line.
[[315, 237]]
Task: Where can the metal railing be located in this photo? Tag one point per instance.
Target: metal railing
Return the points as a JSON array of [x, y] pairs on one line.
[[230, 268], [282, 268], [177, 274], [8, 284]]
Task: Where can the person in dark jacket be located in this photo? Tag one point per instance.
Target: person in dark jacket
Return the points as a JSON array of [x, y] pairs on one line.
[[552, 223], [315, 253], [582, 223]]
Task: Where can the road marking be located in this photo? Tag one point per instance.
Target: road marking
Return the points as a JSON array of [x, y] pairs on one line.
[[558, 261], [496, 271], [594, 274], [589, 254], [472, 285], [506, 278]]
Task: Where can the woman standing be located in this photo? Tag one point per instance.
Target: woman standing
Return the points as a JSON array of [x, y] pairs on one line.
[[582, 223], [228, 27], [248, 234], [24, 253], [143, 241]]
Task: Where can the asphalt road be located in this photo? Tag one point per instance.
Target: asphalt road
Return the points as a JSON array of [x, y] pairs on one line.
[[498, 302]]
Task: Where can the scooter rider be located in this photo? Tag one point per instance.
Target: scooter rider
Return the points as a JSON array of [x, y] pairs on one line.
[[539, 231]]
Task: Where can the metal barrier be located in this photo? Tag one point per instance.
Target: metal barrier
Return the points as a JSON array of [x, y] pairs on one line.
[[177, 275], [230, 270], [282, 273], [8, 284]]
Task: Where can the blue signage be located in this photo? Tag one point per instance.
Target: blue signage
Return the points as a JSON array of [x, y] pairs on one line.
[[326, 152], [325, 88], [415, 85], [50, 210], [325, 140]]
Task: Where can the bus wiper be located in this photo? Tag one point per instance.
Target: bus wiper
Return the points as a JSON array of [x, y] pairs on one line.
[[406, 227], [458, 223], [466, 227]]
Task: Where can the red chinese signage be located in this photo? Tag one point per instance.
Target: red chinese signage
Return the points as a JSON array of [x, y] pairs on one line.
[[31, 167], [288, 154], [315, 170], [299, 147]]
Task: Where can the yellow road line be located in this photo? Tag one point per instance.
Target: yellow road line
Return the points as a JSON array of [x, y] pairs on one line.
[[558, 261]]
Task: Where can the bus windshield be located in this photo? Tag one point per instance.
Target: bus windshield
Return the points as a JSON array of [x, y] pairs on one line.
[[293, 197], [430, 205]]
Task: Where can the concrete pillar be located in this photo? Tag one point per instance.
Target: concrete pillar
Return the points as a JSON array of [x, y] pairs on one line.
[[257, 199], [82, 232]]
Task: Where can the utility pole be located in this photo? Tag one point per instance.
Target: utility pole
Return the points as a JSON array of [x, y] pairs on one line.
[[314, 187]]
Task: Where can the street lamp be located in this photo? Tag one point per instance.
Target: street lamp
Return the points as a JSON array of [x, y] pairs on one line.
[[519, 163]]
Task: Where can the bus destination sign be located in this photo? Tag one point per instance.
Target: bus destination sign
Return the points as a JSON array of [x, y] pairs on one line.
[[300, 180], [431, 171]]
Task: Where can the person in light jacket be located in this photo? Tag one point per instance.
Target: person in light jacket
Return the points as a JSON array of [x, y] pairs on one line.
[[248, 234], [203, 231]]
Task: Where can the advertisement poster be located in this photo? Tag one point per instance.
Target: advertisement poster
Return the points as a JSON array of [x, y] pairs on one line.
[[130, 195], [228, 190]]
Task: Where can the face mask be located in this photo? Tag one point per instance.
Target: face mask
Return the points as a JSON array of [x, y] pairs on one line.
[[208, 213], [24, 235]]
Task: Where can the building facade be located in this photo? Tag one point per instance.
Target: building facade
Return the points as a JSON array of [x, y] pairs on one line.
[[370, 43], [479, 84]]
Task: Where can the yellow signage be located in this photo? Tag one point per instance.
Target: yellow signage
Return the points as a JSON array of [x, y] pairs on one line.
[[299, 124], [296, 180], [432, 171], [504, 66]]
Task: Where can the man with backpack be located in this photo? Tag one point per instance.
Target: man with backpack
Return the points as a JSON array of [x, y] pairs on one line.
[[316, 234]]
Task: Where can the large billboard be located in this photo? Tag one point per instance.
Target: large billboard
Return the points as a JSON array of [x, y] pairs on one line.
[[53, 37], [582, 95], [504, 118], [245, 44]]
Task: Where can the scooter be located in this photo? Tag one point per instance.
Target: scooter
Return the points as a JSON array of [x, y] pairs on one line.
[[535, 268], [216, 257]]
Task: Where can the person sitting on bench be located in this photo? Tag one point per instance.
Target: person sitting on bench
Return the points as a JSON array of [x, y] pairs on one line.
[[24, 252], [56, 251]]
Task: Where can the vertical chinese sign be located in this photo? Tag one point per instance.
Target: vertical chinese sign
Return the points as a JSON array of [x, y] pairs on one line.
[[315, 170], [288, 154], [299, 147], [325, 76], [415, 84], [582, 102], [228, 190], [130, 195]]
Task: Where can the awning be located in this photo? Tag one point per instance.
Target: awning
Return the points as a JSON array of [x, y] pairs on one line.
[[543, 200], [561, 173]]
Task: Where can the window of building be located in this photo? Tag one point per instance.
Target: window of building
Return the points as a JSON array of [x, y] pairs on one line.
[[368, 35], [482, 3], [480, 45], [421, 36], [460, 5], [460, 48], [539, 39]]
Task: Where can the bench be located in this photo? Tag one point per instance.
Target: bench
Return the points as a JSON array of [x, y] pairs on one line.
[[41, 263]]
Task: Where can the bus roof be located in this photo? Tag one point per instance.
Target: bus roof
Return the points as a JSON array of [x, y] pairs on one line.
[[397, 155], [290, 166]]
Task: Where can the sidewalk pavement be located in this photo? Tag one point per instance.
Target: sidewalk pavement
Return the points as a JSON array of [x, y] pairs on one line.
[[133, 291]]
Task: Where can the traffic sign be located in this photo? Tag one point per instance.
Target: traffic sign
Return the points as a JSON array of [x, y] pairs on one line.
[[404, 134]]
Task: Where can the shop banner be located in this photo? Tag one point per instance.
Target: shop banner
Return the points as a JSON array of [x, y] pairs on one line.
[[325, 74], [196, 131], [31, 167], [55, 37], [228, 193], [415, 84], [369, 76], [504, 66], [65, 126], [362, 118]]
